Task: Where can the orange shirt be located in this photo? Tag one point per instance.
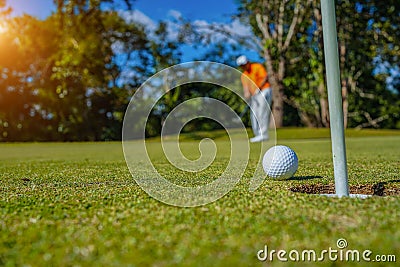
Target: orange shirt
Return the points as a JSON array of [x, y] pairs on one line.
[[257, 74]]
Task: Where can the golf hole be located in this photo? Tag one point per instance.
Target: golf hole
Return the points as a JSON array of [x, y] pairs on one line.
[[390, 188]]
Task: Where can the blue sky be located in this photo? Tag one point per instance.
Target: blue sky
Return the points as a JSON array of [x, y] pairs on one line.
[[37, 8], [149, 12], [210, 10]]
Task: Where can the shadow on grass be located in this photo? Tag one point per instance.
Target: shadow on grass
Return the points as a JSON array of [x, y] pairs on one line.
[[301, 178]]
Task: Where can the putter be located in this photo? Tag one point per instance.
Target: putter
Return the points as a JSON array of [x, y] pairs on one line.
[[244, 111]]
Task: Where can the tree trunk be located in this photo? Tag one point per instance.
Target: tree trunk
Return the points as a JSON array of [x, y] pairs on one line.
[[277, 91], [277, 105], [278, 29], [304, 117], [323, 102], [345, 103]]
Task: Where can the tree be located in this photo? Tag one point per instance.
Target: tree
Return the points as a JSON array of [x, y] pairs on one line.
[[290, 34], [368, 35], [304, 79], [85, 69], [24, 48], [66, 77], [277, 24]]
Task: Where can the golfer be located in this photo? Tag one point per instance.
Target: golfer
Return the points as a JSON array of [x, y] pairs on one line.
[[260, 95]]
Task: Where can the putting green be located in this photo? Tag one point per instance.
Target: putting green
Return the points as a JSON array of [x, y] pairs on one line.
[[64, 204]]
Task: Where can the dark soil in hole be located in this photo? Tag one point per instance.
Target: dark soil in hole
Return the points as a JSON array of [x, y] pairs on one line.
[[378, 189]]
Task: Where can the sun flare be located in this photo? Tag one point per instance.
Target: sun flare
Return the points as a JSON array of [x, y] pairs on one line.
[[3, 28]]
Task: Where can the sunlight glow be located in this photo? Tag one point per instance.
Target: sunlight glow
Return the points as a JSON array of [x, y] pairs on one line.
[[3, 28]]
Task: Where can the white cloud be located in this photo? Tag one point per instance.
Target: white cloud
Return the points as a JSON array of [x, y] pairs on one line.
[[174, 14], [240, 29], [213, 30], [216, 30], [136, 16]]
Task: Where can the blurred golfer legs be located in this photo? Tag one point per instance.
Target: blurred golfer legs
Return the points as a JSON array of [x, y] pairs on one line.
[[260, 114]]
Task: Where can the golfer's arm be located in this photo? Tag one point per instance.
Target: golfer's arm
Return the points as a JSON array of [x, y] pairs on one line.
[[246, 92], [264, 82]]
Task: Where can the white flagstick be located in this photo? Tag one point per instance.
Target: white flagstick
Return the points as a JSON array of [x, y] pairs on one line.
[[334, 97]]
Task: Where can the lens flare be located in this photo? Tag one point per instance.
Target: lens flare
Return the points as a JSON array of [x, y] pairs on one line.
[[3, 28]]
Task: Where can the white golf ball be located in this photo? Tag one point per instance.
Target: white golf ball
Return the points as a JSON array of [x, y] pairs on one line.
[[280, 162]]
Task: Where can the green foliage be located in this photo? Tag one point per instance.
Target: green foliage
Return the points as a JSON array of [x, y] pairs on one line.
[[70, 76], [182, 93], [27, 42], [368, 35], [165, 52]]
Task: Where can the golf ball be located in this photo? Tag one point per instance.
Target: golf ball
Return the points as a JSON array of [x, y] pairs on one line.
[[280, 162]]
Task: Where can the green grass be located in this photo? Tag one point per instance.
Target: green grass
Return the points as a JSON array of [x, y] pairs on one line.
[[76, 204]]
